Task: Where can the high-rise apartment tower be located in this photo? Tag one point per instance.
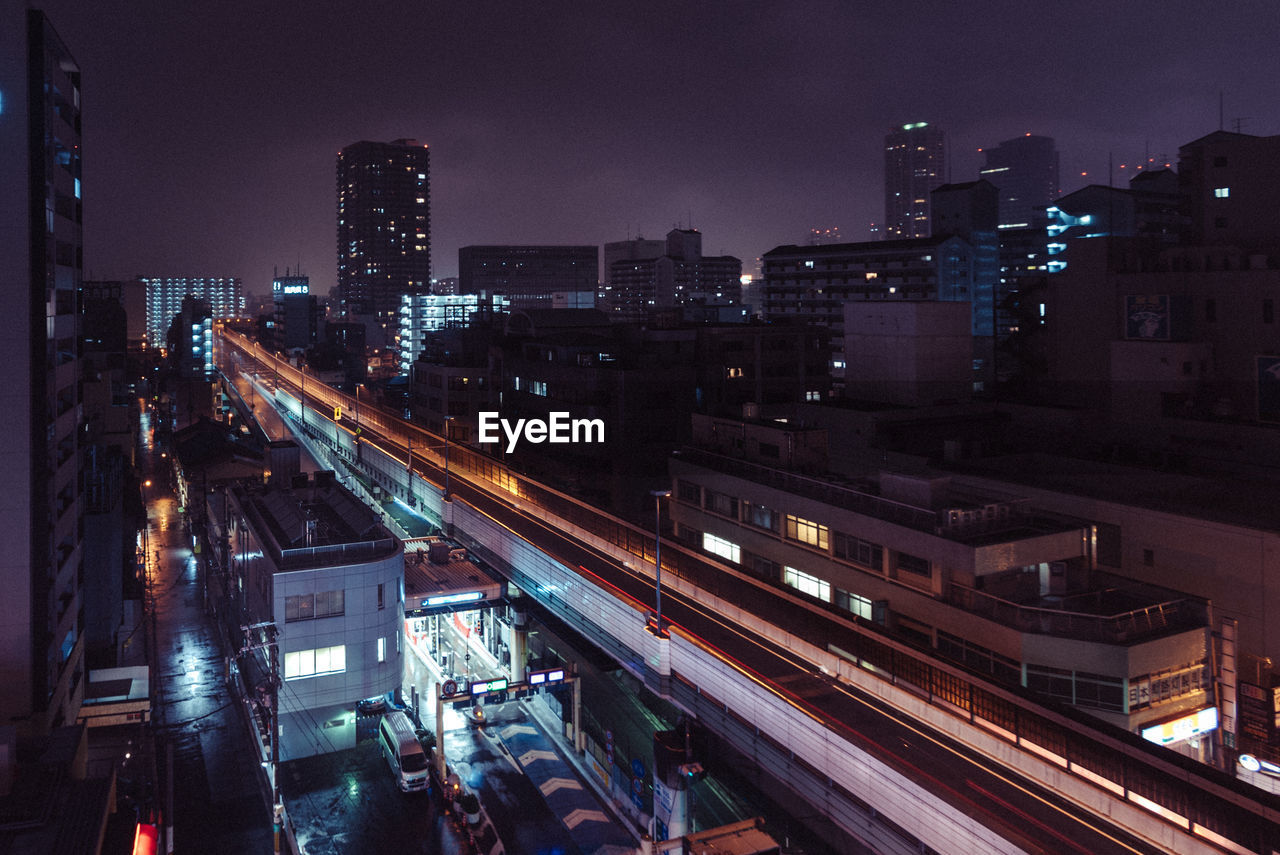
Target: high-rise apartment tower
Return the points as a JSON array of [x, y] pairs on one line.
[[915, 159], [42, 622], [384, 226]]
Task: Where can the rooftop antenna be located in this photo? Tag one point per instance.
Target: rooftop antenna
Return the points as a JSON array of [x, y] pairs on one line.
[[1238, 122], [1111, 181], [1220, 124]]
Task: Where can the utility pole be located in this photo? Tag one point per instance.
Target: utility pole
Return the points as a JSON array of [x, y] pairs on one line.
[[273, 717]]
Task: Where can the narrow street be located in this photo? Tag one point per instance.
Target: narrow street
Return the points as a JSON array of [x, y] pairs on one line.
[[203, 754]]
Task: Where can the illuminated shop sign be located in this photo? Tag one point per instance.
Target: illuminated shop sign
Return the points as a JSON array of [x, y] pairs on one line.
[[447, 599], [1182, 729], [1254, 764]]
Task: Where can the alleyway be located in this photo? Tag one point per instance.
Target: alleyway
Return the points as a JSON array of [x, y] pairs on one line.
[[220, 804]]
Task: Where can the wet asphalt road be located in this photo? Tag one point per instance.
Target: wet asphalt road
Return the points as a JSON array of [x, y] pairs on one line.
[[220, 805]]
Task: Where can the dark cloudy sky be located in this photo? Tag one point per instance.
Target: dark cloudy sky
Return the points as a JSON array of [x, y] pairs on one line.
[[211, 128]]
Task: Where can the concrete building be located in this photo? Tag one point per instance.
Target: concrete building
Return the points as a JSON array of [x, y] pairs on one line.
[[908, 352], [1025, 170], [191, 340], [984, 577], [814, 283], [421, 315], [1229, 184], [529, 277], [384, 229], [639, 283], [165, 295], [317, 565], [915, 163], [42, 618], [296, 312]]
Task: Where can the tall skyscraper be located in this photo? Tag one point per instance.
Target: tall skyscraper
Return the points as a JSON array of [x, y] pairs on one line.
[[42, 642], [915, 159], [1025, 171], [384, 226]]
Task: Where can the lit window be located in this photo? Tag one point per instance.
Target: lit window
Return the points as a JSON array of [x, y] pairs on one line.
[[805, 583], [1222, 192], [313, 663], [723, 548], [806, 531], [382, 648]]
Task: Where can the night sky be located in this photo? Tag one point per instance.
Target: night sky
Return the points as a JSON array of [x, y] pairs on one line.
[[211, 129]]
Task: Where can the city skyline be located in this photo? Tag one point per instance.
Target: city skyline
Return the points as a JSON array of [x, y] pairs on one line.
[[213, 150]]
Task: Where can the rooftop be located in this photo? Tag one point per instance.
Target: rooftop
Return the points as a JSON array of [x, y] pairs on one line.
[[319, 524], [967, 516]]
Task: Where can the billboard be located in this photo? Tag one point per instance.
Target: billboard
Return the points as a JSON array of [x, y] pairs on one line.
[[1146, 317]]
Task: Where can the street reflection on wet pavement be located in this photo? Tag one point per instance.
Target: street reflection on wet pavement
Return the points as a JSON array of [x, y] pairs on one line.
[[216, 781]]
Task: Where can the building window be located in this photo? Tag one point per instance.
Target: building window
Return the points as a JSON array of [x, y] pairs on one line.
[[1268, 312], [1222, 192], [1148, 558], [760, 516], [313, 663], [723, 548], [687, 491], [859, 605], [719, 503], [382, 648], [913, 564], [858, 551], [302, 607], [806, 531], [381, 603], [330, 604], [1211, 310], [807, 584], [1219, 222], [1220, 161], [308, 606]]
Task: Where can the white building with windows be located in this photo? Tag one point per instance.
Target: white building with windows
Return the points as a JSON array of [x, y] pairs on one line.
[[319, 565], [422, 314], [223, 295], [983, 578]]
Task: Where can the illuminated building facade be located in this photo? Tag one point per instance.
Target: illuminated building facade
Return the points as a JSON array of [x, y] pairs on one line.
[[423, 314], [223, 294], [915, 157]]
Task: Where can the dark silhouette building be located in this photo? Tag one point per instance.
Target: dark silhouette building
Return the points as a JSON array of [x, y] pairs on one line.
[[915, 158], [1025, 170], [42, 513], [530, 276], [297, 312], [384, 226]]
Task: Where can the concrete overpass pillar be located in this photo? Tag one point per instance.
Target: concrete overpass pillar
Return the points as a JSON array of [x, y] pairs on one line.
[[518, 642]]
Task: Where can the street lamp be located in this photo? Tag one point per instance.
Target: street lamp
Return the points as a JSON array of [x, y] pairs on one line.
[[658, 496]]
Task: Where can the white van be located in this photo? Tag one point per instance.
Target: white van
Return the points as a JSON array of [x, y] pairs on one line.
[[403, 751]]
